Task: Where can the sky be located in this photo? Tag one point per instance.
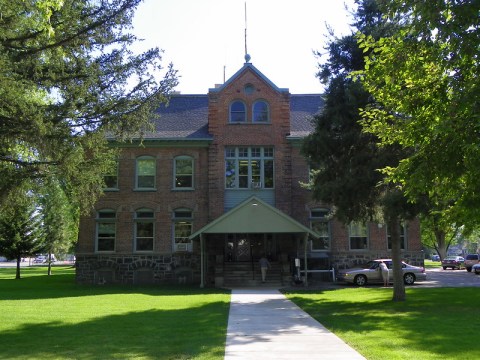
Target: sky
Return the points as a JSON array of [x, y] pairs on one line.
[[205, 39]]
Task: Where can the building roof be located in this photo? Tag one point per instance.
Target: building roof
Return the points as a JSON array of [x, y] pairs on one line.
[[185, 117]]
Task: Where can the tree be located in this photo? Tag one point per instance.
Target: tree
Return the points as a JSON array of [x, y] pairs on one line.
[[19, 228], [59, 220], [69, 80], [425, 79], [347, 159]]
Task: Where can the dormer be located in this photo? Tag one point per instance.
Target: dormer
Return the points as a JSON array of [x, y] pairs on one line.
[[248, 99]]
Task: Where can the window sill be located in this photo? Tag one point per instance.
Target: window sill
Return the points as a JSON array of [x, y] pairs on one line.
[[145, 189], [183, 189]]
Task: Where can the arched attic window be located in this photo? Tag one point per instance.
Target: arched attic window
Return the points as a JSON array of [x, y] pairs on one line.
[[238, 113]]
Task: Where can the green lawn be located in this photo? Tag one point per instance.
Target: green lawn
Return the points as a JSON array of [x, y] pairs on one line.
[[45, 317], [429, 264], [439, 323]]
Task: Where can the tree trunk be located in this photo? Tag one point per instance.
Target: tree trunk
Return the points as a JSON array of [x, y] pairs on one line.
[[49, 264], [441, 245], [19, 260], [398, 284]]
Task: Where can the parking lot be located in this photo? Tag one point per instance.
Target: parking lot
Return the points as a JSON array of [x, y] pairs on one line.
[[449, 278]]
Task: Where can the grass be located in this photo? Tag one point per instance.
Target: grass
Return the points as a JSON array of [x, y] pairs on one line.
[[434, 323], [50, 317], [429, 264]]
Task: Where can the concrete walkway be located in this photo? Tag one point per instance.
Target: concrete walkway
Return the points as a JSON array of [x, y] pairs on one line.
[[264, 325]]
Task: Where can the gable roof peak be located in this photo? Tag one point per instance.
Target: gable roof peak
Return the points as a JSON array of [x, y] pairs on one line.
[[248, 66]]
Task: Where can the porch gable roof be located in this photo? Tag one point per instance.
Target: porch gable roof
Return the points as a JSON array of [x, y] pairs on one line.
[[254, 216]]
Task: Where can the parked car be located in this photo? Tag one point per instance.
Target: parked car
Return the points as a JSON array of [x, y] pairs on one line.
[[470, 260], [476, 268], [435, 258], [372, 274], [454, 262], [40, 259]]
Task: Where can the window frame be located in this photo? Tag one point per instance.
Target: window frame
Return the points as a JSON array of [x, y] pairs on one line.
[[175, 175], [182, 216], [403, 237], [137, 175], [255, 112], [232, 114], [105, 220], [323, 219], [143, 220], [363, 228], [249, 168], [114, 174]]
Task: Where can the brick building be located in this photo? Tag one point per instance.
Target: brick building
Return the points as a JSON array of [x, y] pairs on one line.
[[215, 186]]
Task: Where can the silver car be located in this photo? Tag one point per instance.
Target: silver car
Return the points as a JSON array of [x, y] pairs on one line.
[[372, 273], [476, 268]]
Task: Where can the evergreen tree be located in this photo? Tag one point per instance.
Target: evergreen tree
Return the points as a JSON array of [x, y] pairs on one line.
[[20, 234], [68, 79], [347, 159]]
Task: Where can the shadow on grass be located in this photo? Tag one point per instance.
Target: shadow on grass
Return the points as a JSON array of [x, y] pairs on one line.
[[36, 284], [426, 321], [156, 334]]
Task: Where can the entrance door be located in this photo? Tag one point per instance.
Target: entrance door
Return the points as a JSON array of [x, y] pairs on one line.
[[238, 248]]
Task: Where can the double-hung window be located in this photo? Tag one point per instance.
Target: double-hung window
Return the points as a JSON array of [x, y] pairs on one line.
[[358, 236], [111, 177], [183, 172], [319, 222], [403, 238], [144, 229], [249, 168], [145, 173], [106, 230], [182, 229]]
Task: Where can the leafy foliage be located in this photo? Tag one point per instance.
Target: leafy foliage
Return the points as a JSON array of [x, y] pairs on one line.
[[69, 79], [425, 80]]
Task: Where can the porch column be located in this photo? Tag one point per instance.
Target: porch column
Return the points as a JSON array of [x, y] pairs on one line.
[[305, 243], [202, 262]]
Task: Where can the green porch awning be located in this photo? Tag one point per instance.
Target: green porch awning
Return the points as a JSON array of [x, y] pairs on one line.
[[254, 216]]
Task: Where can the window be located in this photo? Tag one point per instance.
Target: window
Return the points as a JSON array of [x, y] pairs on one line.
[[111, 178], [249, 168], [182, 229], [358, 236], [261, 113], [146, 169], [183, 172], [238, 112], [403, 238], [144, 230], [106, 230], [320, 224]]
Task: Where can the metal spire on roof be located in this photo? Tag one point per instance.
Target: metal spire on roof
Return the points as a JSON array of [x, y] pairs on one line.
[[247, 56]]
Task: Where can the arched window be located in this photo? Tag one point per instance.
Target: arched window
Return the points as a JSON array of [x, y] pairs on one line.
[[183, 168], [146, 169], [106, 230], [238, 112], [144, 229], [261, 113]]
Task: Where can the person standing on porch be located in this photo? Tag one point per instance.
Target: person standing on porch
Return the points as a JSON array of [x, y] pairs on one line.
[[264, 265]]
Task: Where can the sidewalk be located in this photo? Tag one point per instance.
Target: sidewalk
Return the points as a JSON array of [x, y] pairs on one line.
[[264, 325]]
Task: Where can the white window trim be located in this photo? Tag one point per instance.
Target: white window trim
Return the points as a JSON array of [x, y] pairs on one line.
[[136, 221], [146, 157], [183, 157]]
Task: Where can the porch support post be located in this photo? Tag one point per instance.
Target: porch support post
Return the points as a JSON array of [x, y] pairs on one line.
[[202, 261], [305, 243]]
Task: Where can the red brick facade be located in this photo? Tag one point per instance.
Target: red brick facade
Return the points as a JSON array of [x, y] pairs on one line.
[[206, 199]]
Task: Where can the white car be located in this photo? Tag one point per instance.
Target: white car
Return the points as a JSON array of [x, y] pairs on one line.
[[476, 268], [372, 273]]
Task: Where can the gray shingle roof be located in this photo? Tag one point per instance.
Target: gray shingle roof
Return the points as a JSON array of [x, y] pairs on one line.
[[186, 117]]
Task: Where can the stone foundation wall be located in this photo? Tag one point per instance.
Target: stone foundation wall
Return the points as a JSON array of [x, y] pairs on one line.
[[138, 269]]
